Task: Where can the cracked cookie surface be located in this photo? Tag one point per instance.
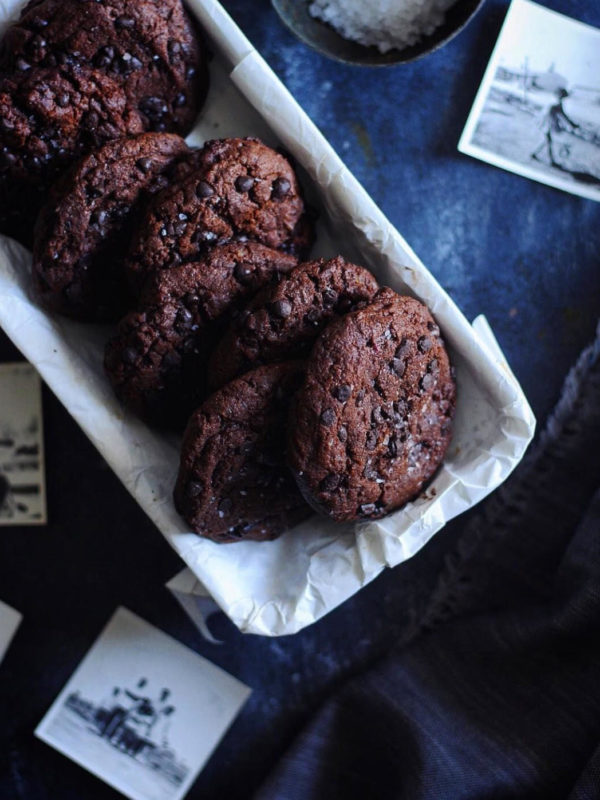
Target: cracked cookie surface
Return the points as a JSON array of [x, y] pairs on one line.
[[282, 321], [156, 362]]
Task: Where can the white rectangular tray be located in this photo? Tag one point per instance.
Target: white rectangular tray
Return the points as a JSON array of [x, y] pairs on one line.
[[280, 587]]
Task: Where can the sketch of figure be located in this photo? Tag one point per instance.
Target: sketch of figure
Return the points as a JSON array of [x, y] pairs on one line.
[[555, 124], [7, 500]]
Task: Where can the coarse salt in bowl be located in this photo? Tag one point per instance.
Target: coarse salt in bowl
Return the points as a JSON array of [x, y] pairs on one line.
[[378, 32]]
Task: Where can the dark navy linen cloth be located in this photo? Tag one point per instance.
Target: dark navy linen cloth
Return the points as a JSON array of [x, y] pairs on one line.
[[497, 695]]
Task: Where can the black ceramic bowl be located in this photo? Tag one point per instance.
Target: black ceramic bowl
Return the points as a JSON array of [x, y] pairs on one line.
[[323, 38]]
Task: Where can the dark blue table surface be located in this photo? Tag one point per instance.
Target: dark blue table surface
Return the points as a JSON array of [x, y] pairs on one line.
[[525, 255]]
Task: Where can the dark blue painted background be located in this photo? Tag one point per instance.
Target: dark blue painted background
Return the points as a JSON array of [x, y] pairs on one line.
[[497, 243]]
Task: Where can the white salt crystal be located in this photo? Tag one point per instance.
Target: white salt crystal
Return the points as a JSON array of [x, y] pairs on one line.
[[387, 24]]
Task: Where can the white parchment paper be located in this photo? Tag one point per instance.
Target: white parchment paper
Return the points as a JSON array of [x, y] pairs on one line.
[[280, 587]]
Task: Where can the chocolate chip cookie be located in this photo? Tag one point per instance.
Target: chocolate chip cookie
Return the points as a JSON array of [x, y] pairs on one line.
[[76, 74], [283, 320], [48, 118], [233, 483], [372, 422], [150, 48], [157, 360], [83, 231], [242, 190]]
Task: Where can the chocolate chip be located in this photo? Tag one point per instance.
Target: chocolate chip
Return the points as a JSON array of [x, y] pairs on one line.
[[360, 397], [105, 56], [135, 63], [184, 318], [371, 440], [342, 392], [243, 274], [62, 99], [344, 304], [153, 107], [180, 100], [22, 65], [343, 435], [144, 164], [377, 416], [329, 298], [92, 119], [403, 349], [194, 488], [433, 366], [426, 382], [327, 417], [203, 189], [331, 482], [312, 317], [37, 47], [98, 217], [124, 22], [367, 509], [424, 344], [398, 366], [243, 183], [393, 447], [225, 506], [280, 308], [129, 355], [281, 186], [7, 159]]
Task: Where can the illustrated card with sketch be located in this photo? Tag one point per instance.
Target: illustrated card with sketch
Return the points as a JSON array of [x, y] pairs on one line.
[[537, 112], [142, 711], [22, 481]]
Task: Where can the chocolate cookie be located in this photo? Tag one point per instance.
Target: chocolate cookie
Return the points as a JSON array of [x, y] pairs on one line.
[[83, 231], [242, 190], [283, 321], [372, 422], [48, 118], [233, 483], [150, 48], [157, 360], [77, 74]]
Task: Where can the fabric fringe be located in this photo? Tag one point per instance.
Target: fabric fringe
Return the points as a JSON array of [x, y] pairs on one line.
[[564, 430]]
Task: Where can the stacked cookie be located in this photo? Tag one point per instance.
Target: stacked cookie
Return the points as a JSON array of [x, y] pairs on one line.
[[75, 74], [301, 385], [335, 396]]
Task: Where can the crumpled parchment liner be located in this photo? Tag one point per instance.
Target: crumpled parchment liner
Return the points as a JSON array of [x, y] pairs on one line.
[[280, 587]]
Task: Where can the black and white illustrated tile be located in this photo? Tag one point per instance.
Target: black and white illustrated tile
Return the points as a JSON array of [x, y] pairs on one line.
[[22, 477], [537, 111], [142, 712]]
